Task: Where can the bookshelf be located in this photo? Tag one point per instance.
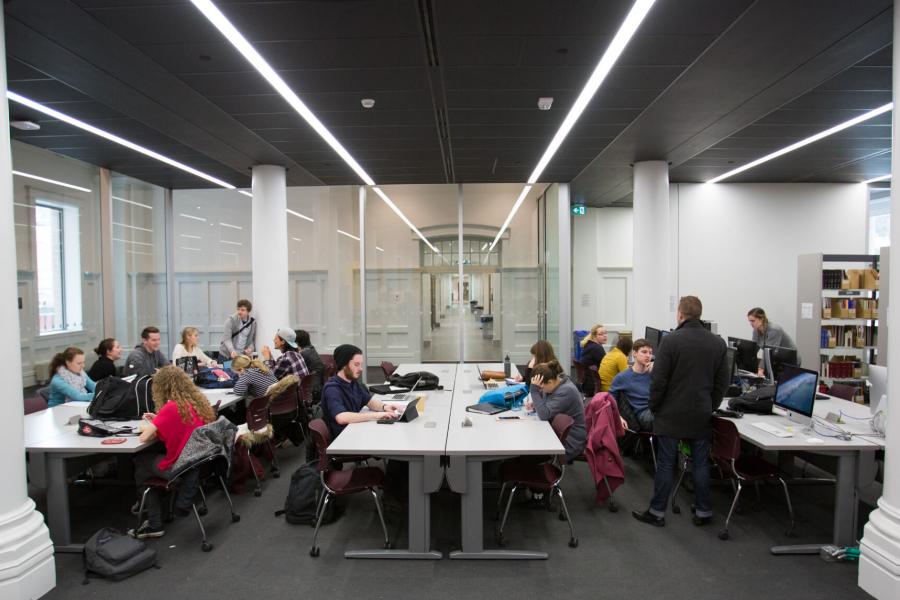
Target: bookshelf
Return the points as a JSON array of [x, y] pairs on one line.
[[838, 333]]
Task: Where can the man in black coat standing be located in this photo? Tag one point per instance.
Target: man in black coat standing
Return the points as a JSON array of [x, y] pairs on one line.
[[690, 376]]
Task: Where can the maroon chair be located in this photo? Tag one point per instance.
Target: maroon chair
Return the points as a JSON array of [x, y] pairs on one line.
[[388, 368], [35, 404], [330, 366], [258, 433], [542, 477], [843, 391], [726, 452], [343, 482], [209, 467], [285, 406]]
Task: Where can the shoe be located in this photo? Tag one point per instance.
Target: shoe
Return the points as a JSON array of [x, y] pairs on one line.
[[146, 531], [701, 521], [648, 517]]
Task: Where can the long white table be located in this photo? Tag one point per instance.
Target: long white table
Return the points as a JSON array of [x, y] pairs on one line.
[[850, 454], [438, 432], [50, 440]]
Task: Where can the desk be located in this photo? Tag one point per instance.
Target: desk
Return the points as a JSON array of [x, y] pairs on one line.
[[849, 454], [469, 447], [421, 444], [50, 441]]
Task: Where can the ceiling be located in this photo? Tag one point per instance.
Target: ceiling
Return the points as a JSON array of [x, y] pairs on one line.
[[705, 84]]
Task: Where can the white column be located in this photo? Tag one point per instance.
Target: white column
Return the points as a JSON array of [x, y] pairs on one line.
[[653, 275], [27, 569], [564, 287], [270, 252], [879, 562]]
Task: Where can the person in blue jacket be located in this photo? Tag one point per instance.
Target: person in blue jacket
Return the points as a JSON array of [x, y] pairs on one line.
[[69, 383]]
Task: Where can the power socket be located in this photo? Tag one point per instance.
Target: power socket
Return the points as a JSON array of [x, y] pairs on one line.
[[833, 418]]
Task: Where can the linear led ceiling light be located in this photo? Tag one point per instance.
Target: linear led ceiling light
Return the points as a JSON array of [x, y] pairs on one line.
[[626, 31], [236, 39], [349, 235], [301, 215], [400, 214], [53, 181], [114, 138], [875, 179], [127, 201], [804, 142]]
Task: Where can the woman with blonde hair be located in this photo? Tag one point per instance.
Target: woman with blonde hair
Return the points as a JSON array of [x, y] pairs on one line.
[[180, 409], [189, 347], [254, 377], [592, 354]]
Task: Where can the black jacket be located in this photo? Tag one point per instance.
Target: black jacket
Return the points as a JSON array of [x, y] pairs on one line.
[[591, 356], [316, 367], [101, 369], [690, 376]]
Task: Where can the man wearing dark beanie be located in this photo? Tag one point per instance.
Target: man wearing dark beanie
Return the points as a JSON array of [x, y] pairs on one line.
[[343, 396]]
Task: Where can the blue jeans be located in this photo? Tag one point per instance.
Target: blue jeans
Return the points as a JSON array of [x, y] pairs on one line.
[[666, 458]]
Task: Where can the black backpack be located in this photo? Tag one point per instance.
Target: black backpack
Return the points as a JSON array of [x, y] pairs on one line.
[[111, 554], [429, 381], [303, 498], [118, 400]]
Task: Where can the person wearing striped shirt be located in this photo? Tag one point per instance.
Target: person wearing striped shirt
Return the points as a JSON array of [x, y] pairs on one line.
[[290, 362], [254, 378]]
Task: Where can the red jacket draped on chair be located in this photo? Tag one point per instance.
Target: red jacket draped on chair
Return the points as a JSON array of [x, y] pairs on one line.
[[602, 450]]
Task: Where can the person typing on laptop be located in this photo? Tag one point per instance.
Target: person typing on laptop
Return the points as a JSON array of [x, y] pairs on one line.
[[343, 396]]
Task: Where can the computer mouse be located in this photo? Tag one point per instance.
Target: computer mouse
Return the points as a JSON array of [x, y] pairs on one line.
[[815, 441]]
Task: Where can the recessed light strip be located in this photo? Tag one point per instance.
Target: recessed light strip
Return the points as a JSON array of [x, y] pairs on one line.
[[302, 216], [618, 44], [132, 227], [805, 142], [126, 201], [53, 181], [187, 216], [876, 179], [349, 235]]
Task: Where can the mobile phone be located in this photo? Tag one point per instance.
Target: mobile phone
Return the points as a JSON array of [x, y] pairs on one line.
[[509, 418], [113, 440], [385, 421]]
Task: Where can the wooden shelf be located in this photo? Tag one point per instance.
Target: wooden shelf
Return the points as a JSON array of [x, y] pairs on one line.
[[826, 322], [849, 294]]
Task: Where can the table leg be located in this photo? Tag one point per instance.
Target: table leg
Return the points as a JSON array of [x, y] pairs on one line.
[[419, 516], [58, 505], [473, 521]]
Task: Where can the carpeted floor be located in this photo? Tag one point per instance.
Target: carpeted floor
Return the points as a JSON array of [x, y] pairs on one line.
[[618, 557]]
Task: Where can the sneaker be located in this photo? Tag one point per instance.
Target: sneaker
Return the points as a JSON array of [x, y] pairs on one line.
[[146, 531], [648, 517]]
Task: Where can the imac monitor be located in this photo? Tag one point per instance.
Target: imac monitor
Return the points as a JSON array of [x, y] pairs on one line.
[[652, 335], [878, 393], [745, 354], [795, 392], [662, 334]]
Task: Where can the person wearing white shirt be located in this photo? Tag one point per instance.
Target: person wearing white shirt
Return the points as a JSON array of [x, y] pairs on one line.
[[189, 347]]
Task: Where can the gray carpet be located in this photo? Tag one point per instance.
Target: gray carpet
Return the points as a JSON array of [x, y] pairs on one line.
[[262, 556]]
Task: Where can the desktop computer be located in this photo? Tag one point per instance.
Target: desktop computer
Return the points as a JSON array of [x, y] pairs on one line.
[[795, 392], [745, 354]]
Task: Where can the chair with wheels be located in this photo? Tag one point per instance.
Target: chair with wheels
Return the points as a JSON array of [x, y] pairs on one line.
[[285, 414], [342, 482], [726, 452], [634, 430], [330, 366], [257, 431], [214, 466], [538, 476]]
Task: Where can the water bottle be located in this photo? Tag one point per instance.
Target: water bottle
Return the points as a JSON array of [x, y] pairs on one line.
[[507, 367]]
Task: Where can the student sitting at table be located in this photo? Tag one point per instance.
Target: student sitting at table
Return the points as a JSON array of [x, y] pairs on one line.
[[615, 361], [70, 383], [290, 362], [189, 347], [343, 396], [108, 352], [254, 378], [634, 384], [552, 393], [146, 358], [541, 352], [180, 409]]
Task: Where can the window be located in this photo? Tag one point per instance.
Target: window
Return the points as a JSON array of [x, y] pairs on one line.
[[879, 219], [58, 261]]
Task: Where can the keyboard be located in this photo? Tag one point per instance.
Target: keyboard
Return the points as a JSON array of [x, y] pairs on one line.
[[492, 385], [774, 430]]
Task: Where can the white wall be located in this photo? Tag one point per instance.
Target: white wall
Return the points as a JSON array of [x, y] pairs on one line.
[[738, 244]]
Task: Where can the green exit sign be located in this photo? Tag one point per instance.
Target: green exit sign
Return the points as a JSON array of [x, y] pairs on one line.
[[578, 209]]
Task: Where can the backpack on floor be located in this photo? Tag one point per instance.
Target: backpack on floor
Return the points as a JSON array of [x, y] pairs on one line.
[[111, 554], [118, 400], [303, 498]]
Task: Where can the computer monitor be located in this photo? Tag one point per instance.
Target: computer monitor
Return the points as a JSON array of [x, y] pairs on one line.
[[795, 392], [745, 354], [730, 356], [652, 335], [878, 380], [777, 357]]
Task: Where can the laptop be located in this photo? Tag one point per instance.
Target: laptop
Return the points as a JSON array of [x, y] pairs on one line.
[[410, 413], [408, 396], [488, 385]]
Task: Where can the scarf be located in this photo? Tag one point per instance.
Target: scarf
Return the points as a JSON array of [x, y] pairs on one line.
[[76, 380]]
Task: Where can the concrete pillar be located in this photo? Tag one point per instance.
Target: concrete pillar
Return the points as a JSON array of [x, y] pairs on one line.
[[653, 274], [879, 562], [27, 569], [270, 253]]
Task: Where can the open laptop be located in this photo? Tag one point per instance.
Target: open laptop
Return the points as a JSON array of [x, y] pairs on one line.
[[488, 385], [408, 396], [410, 413]]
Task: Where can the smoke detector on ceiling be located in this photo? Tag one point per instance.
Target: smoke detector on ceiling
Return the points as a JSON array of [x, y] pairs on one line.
[[367, 102], [25, 125], [545, 103]]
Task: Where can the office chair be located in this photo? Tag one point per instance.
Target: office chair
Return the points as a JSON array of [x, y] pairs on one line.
[[388, 368], [842, 390], [342, 482], [257, 431]]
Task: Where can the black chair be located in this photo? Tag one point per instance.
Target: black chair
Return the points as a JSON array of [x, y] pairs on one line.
[[212, 466]]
